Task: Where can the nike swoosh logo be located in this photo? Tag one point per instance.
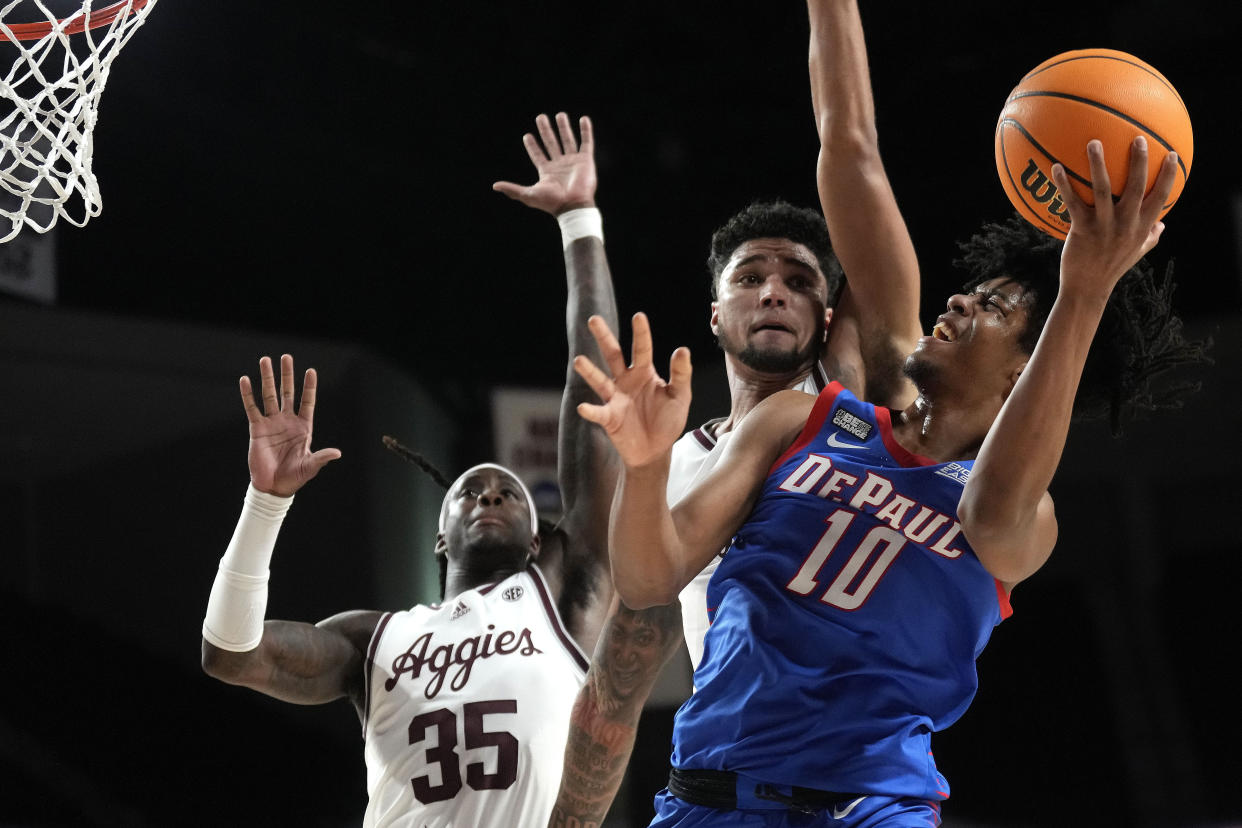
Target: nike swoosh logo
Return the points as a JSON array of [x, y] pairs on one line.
[[841, 813], [837, 442]]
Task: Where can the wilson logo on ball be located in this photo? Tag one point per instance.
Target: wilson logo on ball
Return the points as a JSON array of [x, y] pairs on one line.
[[1043, 191]]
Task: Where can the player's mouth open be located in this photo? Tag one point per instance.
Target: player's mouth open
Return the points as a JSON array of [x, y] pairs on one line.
[[943, 332]]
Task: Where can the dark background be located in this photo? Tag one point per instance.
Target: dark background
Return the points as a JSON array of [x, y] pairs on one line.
[[320, 173]]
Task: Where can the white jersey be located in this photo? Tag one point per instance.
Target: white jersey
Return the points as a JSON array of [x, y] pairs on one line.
[[467, 709], [694, 456]]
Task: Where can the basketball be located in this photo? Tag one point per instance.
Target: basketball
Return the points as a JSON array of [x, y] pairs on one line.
[[1071, 99]]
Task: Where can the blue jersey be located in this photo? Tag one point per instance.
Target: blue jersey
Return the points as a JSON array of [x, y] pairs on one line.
[[846, 617]]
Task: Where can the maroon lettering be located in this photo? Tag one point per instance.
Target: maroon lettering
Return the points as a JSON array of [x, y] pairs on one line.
[[502, 642], [441, 659]]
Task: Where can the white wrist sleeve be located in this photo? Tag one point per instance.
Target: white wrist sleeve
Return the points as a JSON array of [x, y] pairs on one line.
[[580, 223], [238, 599]]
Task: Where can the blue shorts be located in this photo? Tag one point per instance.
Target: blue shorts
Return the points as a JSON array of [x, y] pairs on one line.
[[864, 812]]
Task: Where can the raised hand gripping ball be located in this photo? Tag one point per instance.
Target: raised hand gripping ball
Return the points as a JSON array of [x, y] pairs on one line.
[[1067, 101]]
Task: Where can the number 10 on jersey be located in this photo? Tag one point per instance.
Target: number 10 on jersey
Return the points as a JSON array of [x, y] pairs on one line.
[[888, 543]]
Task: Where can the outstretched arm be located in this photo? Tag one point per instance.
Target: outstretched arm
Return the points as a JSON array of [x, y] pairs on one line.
[[655, 551], [633, 648], [876, 322], [1005, 510], [587, 465], [301, 663]]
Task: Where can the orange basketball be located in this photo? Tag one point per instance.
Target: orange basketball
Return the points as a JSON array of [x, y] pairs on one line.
[[1070, 99]]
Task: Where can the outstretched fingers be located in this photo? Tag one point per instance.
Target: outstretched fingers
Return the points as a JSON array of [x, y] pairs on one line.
[[603, 386], [640, 345], [320, 459], [1075, 205], [267, 385], [1136, 176], [591, 374], [567, 133], [679, 372], [537, 156], [1154, 203], [310, 383], [609, 348], [1101, 186], [587, 131], [287, 385], [253, 414], [272, 404], [550, 145], [593, 413]]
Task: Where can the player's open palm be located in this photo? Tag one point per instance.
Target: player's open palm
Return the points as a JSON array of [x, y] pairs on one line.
[[566, 168], [280, 458], [642, 414]]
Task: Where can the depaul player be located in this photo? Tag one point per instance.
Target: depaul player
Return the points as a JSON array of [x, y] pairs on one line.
[[870, 552]]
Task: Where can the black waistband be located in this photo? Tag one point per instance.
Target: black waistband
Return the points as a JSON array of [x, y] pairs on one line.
[[718, 789]]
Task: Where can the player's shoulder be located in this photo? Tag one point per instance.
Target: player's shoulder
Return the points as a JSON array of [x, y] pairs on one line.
[[352, 622], [775, 422], [355, 626], [790, 405]]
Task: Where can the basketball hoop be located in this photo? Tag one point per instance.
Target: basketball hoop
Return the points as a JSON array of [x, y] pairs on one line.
[[49, 103]]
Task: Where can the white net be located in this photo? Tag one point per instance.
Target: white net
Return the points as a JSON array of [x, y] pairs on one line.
[[49, 102]]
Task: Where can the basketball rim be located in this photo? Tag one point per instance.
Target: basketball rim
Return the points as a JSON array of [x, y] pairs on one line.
[[76, 25]]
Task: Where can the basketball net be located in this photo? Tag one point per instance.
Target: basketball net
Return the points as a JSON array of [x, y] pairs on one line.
[[49, 102]]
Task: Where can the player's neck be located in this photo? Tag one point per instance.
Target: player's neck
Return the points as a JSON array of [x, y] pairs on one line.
[[748, 388], [462, 578], [942, 431]]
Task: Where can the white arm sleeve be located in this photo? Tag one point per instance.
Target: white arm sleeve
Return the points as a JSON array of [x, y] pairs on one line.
[[238, 599]]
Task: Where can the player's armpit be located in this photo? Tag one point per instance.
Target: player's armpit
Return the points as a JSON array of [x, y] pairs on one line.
[[633, 648], [1012, 553], [842, 358]]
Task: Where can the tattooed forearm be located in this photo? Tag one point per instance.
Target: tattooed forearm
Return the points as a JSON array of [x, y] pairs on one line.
[[595, 758], [632, 650]]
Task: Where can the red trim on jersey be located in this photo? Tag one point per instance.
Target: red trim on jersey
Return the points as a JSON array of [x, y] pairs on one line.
[[554, 617], [905, 458], [819, 412], [705, 439], [370, 662], [1002, 597]]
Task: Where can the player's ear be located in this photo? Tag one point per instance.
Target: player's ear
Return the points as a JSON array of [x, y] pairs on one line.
[[827, 321], [714, 323], [441, 545], [1013, 378], [536, 543]]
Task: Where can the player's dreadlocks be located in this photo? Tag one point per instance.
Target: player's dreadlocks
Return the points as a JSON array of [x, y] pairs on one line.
[[427, 467], [778, 220], [576, 582], [1139, 336], [404, 452]]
